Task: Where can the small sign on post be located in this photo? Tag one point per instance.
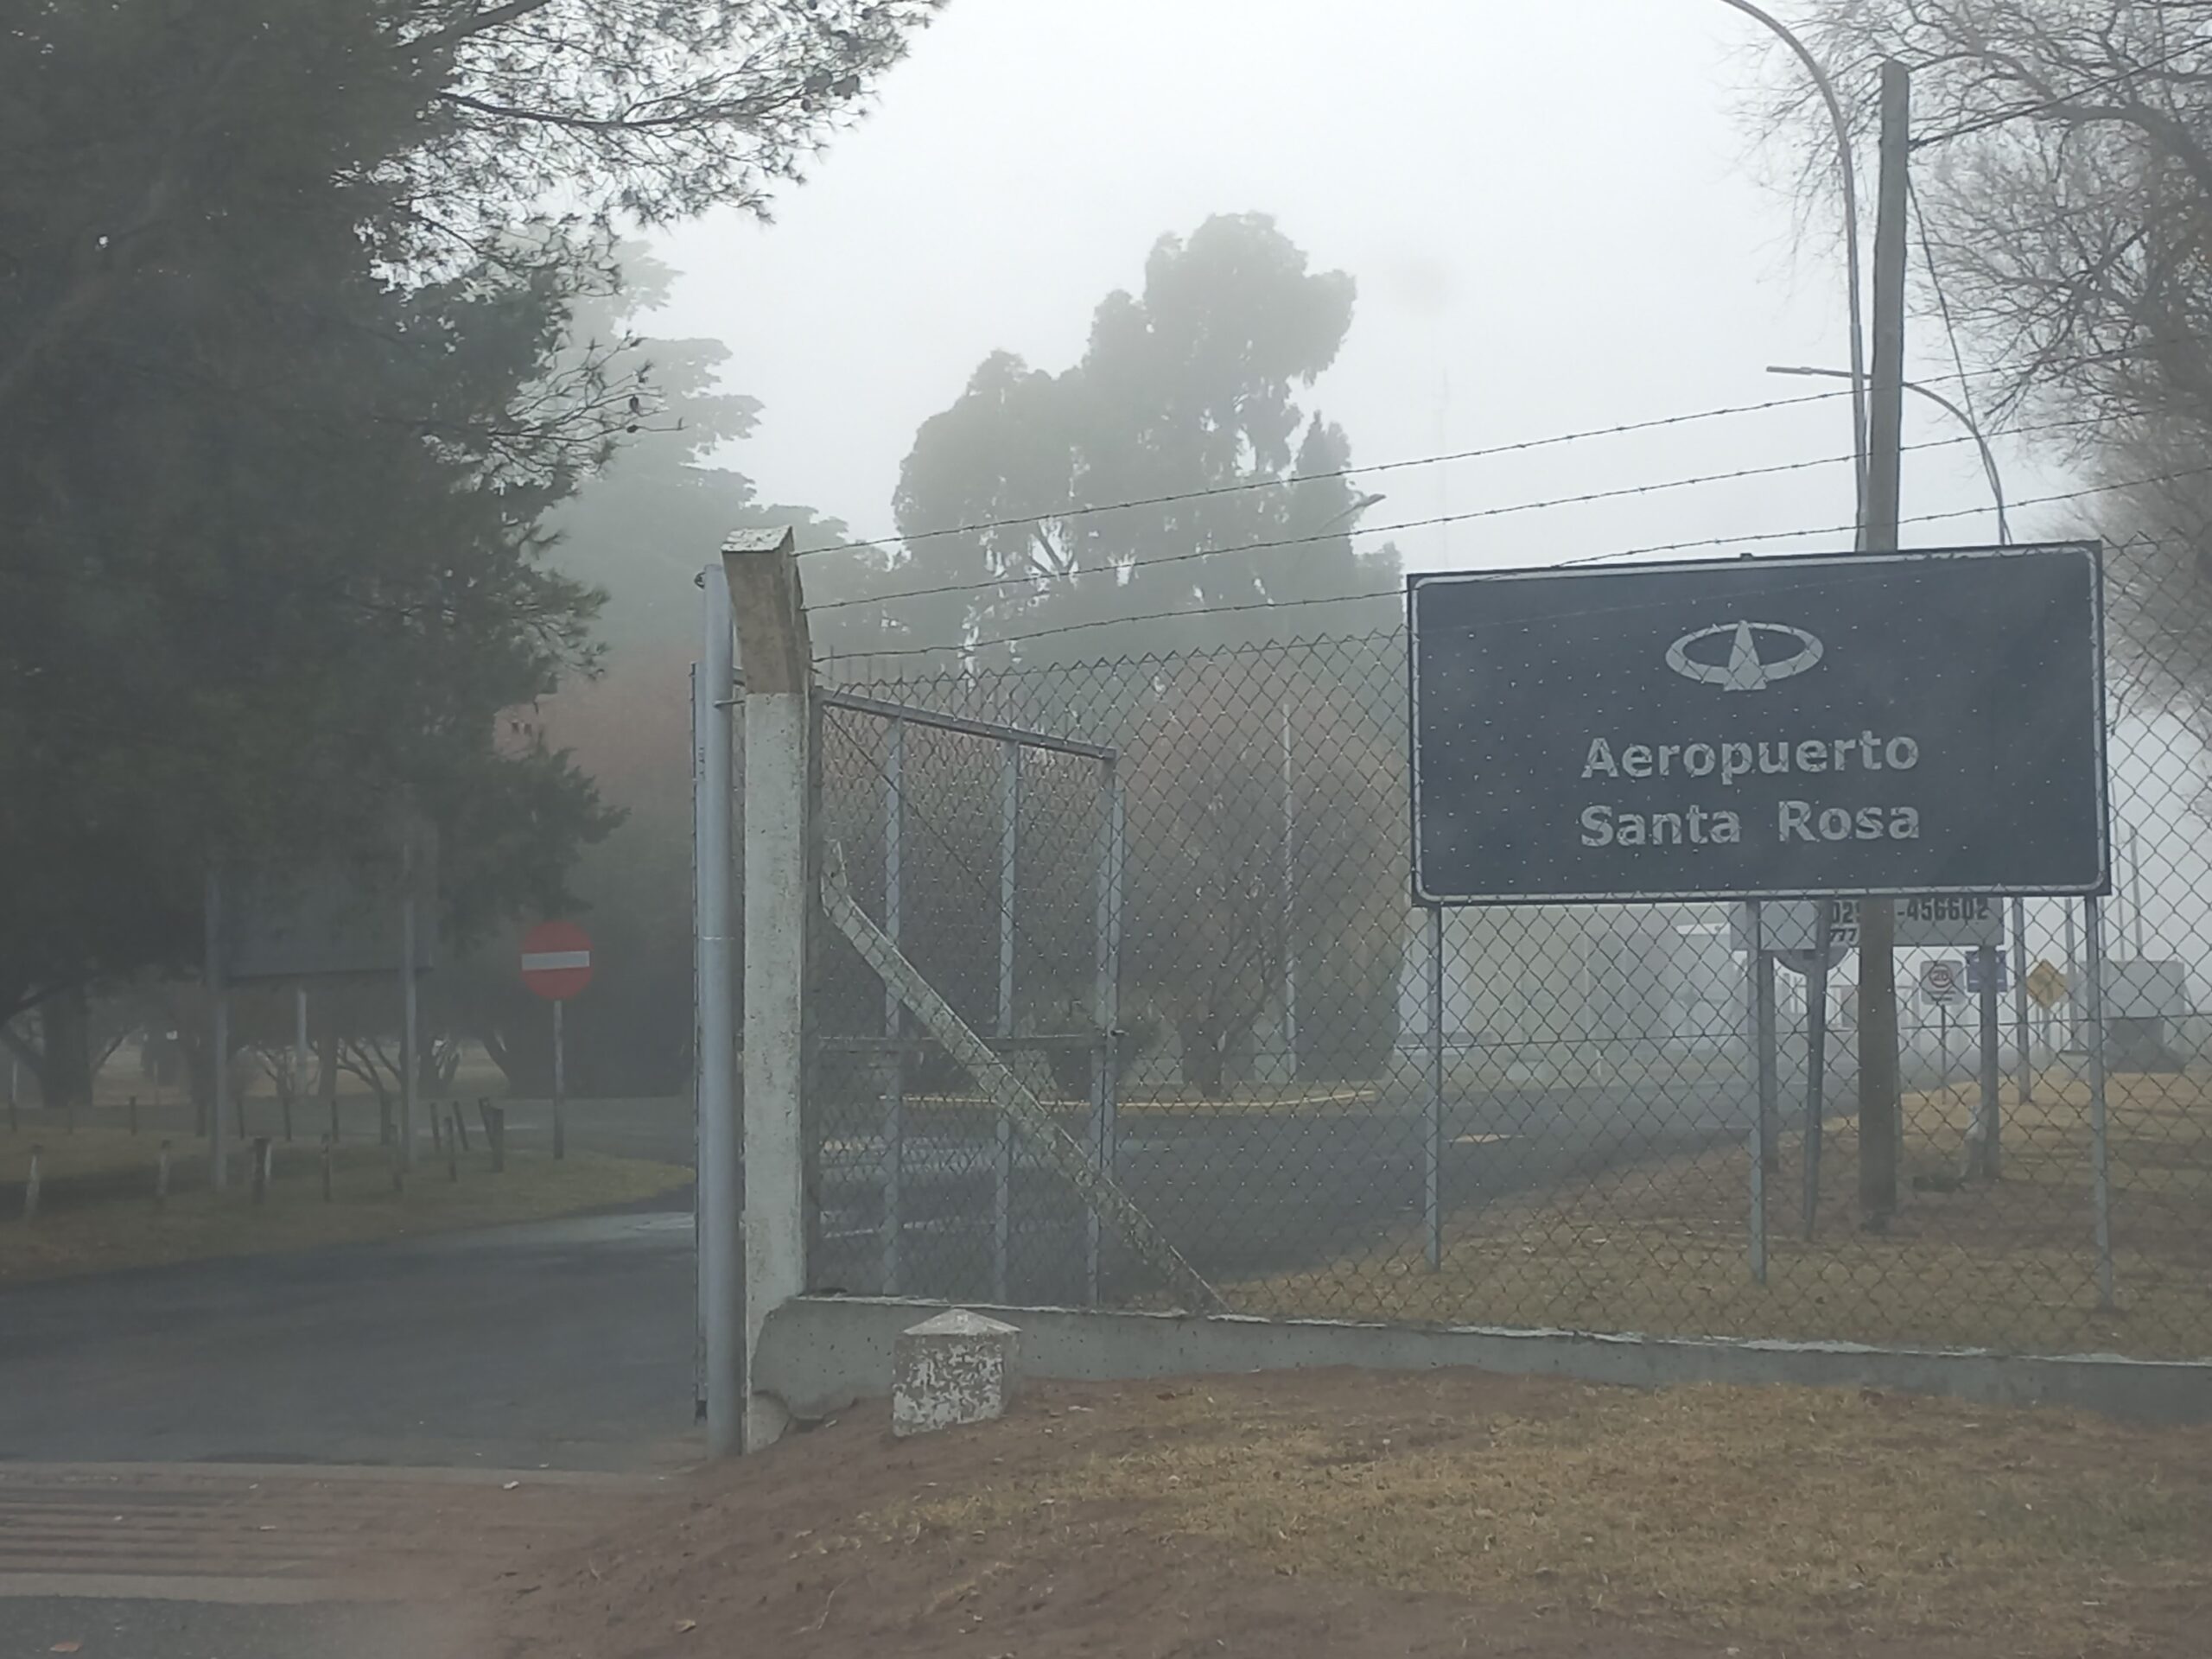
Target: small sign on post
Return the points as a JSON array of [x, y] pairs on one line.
[[2047, 985], [556, 965], [1941, 980]]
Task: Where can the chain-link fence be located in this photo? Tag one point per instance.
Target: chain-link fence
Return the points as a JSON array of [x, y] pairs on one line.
[[1182, 921]]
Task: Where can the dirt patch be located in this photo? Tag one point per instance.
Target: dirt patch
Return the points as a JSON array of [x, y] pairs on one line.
[[1340, 1512]]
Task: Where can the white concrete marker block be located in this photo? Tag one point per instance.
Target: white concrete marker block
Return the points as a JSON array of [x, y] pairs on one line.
[[956, 1368]]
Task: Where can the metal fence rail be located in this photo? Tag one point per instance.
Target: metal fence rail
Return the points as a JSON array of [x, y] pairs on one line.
[[1172, 892]]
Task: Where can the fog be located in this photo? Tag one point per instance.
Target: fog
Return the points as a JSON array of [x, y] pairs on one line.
[[1559, 217]]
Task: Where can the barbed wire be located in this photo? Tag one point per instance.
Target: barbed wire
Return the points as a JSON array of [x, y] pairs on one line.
[[1395, 590], [1074, 509], [1471, 514]]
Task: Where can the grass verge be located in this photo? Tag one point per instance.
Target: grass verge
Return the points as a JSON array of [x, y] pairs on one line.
[[1662, 1246], [104, 1233]]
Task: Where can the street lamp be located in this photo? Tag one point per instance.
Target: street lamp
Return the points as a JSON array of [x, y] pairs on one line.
[[1973, 430], [1849, 173]]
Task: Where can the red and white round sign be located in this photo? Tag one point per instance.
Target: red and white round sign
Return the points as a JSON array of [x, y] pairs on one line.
[[557, 960]]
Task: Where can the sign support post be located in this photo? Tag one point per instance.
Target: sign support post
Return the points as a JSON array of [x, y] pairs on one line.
[[1992, 1066], [560, 1090], [2025, 1057], [1816, 1059], [1759, 971], [2093, 929], [556, 965]]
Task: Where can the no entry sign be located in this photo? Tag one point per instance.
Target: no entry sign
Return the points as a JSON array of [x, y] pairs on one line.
[[1927, 722], [557, 960]]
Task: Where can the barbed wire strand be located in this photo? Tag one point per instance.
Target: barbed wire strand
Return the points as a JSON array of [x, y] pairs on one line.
[[1620, 492], [1396, 590]]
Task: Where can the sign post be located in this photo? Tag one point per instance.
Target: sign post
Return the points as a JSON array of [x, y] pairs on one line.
[[1939, 983], [556, 965]]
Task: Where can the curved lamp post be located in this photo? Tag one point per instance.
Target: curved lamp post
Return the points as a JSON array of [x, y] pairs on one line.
[[1973, 430], [1850, 180]]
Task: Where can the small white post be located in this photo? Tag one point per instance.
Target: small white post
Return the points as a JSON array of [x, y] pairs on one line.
[[779, 896]]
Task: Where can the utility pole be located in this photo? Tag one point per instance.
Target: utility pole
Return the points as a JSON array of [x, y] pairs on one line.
[[1878, 1106]]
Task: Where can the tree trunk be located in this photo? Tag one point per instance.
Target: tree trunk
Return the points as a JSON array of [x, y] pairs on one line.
[[327, 1063], [1204, 1054], [66, 1055]]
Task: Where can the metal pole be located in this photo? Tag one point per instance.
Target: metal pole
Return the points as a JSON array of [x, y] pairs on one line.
[[1289, 948], [407, 1007], [1759, 975], [699, 729], [2093, 928], [218, 1174], [1770, 1070], [893, 1219], [1431, 1205], [2073, 985], [560, 1087], [2135, 886], [1816, 1059], [721, 1250], [299, 1045], [1002, 1163], [1105, 1012], [1943, 1049], [2026, 1059], [1992, 1065], [1880, 1119]]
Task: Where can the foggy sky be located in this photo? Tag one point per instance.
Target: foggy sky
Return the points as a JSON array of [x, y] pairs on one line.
[[1554, 209]]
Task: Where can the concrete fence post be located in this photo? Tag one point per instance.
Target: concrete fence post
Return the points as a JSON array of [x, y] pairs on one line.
[[780, 867]]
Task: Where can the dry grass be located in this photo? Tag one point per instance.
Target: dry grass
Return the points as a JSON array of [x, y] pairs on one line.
[[1662, 1248], [128, 1232], [1775, 1513]]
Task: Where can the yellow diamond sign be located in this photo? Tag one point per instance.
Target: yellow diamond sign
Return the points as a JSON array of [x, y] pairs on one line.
[[2047, 985]]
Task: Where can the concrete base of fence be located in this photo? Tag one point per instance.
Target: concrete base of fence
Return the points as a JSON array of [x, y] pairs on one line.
[[819, 1354]]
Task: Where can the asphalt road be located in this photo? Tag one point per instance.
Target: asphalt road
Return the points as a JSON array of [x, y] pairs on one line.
[[570, 1343], [562, 1343]]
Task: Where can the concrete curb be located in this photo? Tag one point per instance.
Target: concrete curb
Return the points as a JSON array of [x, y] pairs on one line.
[[819, 1354]]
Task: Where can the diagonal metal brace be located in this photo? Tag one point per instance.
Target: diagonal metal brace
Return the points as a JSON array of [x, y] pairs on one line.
[[1009, 1094]]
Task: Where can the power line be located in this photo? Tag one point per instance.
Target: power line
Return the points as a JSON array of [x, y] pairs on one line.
[[1943, 304], [1984, 124], [1624, 491], [1624, 553]]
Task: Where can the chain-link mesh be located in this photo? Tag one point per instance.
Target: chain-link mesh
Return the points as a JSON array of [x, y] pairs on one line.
[[1332, 1103]]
